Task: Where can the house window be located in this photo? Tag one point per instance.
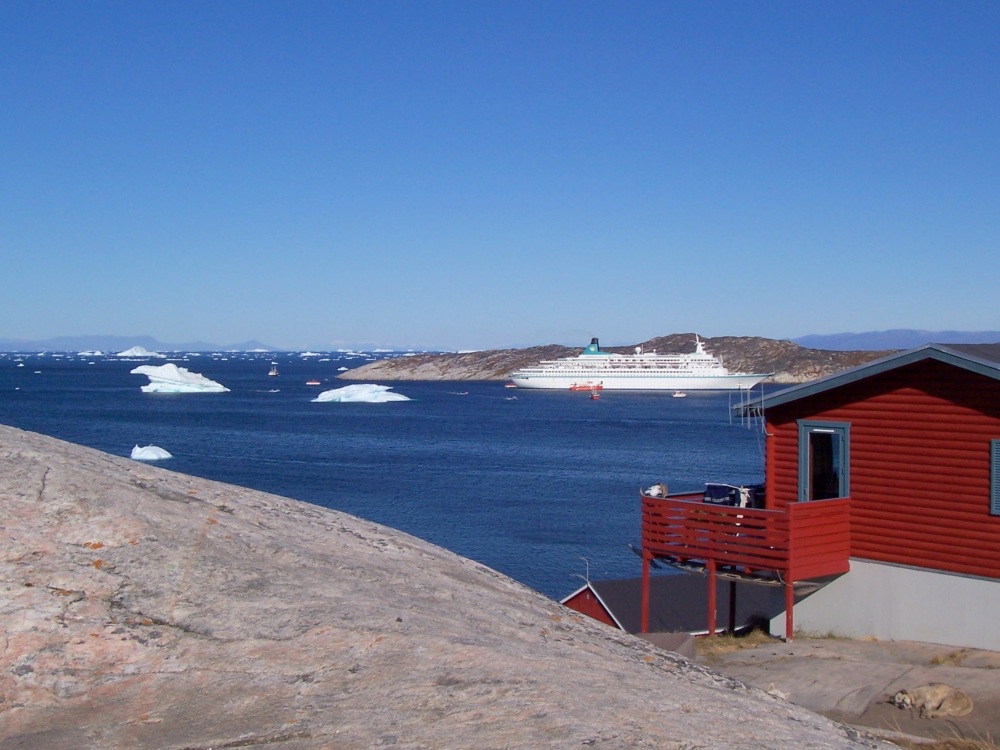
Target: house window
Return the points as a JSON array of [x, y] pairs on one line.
[[995, 477], [824, 460]]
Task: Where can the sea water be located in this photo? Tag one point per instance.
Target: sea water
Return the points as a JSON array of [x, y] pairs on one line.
[[540, 485]]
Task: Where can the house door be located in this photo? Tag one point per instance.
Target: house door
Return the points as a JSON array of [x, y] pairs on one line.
[[823, 460]]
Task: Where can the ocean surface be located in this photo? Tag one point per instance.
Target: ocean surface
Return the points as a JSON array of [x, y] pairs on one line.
[[540, 485]]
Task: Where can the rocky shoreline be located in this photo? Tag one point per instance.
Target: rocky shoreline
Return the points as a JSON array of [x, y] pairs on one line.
[[789, 362], [149, 609]]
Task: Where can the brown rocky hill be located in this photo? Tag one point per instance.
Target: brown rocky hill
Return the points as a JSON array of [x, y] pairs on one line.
[[789, 362], [148, 609]]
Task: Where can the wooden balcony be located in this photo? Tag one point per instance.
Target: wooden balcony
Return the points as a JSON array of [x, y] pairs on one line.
[[799, 542]]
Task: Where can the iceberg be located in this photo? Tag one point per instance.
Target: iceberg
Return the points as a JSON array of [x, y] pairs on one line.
[[149, 453], [138, 352], [362, 392], [170, 378]]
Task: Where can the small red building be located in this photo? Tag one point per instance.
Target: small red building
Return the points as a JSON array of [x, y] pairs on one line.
[[902, 456]]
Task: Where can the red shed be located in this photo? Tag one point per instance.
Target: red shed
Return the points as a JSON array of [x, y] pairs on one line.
[[909, 446]]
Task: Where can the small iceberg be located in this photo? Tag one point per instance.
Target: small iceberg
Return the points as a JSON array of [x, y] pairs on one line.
[[150, 453], [170, 378], [367, 393]]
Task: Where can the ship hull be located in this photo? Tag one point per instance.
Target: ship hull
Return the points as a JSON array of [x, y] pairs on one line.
[[640, 381]]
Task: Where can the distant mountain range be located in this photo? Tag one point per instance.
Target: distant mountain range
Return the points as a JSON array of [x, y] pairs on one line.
[[120, 344], [898, 338]]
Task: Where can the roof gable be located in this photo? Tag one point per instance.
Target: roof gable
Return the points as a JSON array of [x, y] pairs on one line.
[[983, 359]]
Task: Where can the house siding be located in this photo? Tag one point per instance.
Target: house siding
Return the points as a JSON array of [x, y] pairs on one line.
[[585, 602], [919, 464]]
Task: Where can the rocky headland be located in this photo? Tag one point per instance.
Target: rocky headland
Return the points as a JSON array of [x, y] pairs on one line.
[[148, 609], [789, 362]]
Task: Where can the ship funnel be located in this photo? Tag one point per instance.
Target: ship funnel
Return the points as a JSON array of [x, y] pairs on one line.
[[593, 342]]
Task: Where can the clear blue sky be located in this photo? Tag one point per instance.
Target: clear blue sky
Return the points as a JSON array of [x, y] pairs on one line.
[[487, 174]]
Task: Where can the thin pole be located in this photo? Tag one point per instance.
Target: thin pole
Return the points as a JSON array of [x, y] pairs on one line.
[[789, 605], [732, 608]]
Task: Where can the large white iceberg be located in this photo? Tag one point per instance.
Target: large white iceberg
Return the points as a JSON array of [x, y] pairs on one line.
[[372, 394], [150, 453], [138, 352], [170, 378]]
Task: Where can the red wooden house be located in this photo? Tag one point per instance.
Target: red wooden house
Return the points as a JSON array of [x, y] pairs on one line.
[[891, 471]]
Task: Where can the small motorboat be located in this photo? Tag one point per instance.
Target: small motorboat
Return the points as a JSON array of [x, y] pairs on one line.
[[680, 394], [274, 370], [312, 382]]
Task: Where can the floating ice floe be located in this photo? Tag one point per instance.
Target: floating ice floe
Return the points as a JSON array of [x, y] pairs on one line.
[[170, 378], [373, 394], [150, 453]]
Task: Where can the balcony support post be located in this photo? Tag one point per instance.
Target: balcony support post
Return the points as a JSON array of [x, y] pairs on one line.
[[644, 621], [711, 597]]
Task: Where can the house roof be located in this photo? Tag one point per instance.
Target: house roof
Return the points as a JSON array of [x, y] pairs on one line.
[[678, 603], [983, 359]]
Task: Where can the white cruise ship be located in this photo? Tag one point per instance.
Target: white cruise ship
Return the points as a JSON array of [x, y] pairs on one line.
[[642, 371]]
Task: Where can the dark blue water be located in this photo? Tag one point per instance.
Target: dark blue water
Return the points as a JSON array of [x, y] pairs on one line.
[[540, 487]]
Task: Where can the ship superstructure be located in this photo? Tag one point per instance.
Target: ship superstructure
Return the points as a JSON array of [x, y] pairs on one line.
[[642, 371]]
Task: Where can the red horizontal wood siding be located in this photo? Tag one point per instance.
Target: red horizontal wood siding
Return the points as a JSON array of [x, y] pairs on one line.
[[919, 464], [586, 603]]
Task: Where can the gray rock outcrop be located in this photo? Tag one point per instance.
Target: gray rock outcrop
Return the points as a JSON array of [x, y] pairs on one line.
[[789, 362], [148, 609]]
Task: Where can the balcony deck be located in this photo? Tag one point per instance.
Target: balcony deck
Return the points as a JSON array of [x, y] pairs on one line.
[[798, 542]]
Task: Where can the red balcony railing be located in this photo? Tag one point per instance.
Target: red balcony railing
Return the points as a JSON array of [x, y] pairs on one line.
[[799, 542]]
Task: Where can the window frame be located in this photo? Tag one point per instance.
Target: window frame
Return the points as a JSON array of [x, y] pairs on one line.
[[843, 430]]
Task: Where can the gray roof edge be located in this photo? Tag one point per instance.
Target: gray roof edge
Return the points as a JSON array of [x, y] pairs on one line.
[[607, 609], [939, 352], [593, 589], [579, 590]]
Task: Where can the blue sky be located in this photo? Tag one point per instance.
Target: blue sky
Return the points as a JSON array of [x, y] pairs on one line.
[[489, 174]]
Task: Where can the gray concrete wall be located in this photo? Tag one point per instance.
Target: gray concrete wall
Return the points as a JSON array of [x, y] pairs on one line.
[[894, 602]]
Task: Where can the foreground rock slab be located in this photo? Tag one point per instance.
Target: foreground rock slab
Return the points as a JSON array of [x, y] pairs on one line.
[[859, 678], [148, 609]]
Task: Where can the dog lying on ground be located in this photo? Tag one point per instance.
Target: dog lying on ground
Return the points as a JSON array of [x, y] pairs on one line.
[[934, 701]]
